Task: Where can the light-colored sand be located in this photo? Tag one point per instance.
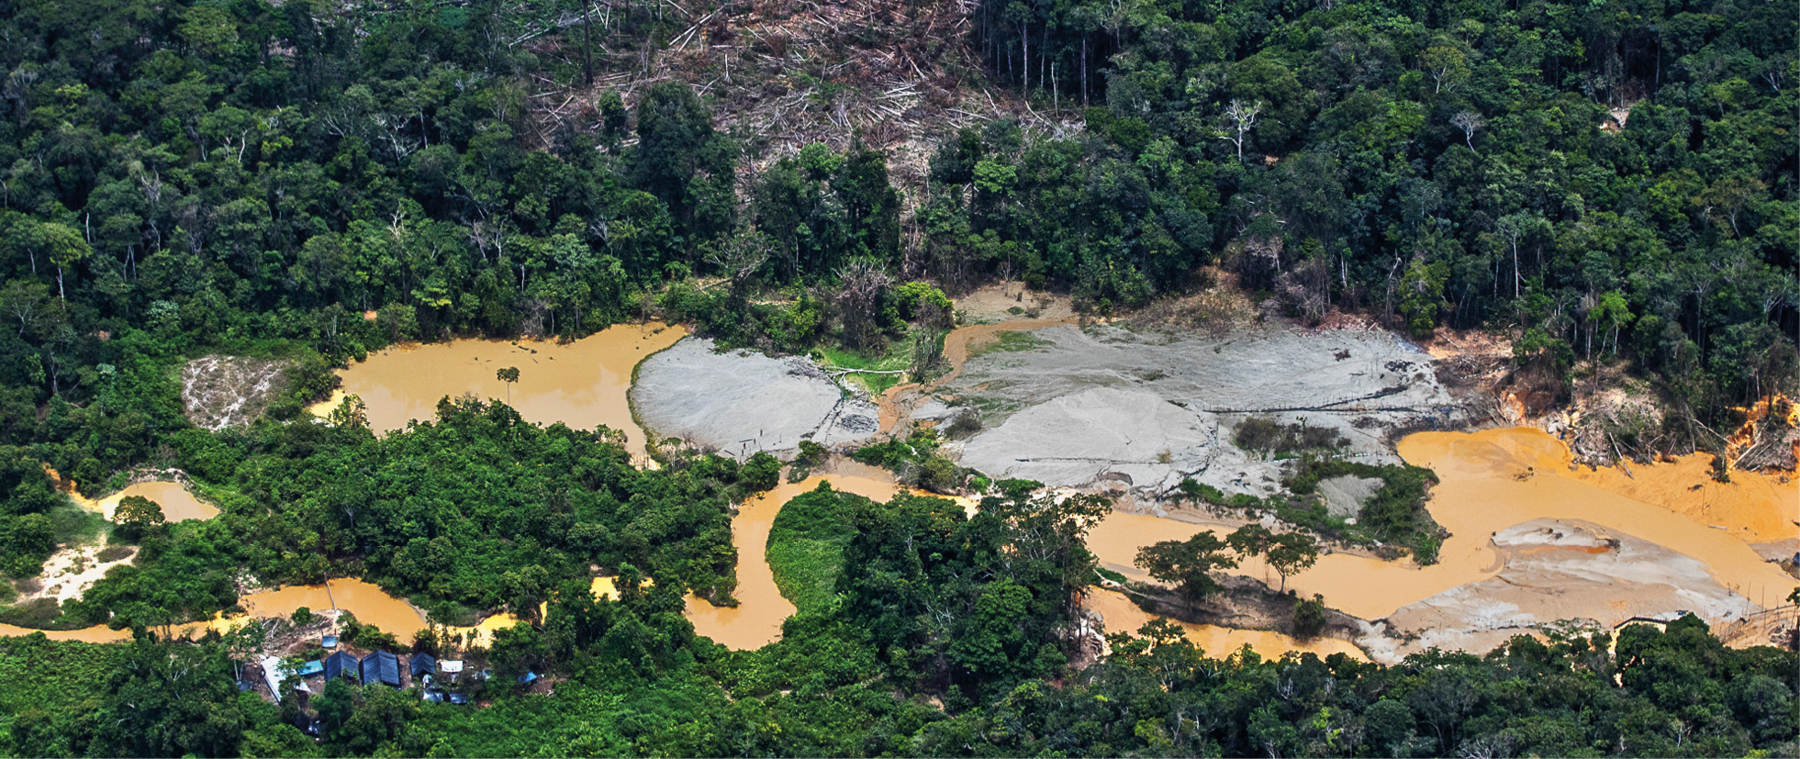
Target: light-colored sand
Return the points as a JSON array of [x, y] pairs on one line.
[[1107, 405], [71, 571], [742, 402], [1345, 495], [225, 391]]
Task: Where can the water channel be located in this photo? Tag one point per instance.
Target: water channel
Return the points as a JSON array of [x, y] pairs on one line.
[[1490, 480]]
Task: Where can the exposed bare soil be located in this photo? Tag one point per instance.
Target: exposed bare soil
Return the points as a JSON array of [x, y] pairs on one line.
[[225, 391]]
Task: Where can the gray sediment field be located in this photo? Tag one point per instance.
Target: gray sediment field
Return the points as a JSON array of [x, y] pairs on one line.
[[1134, 412], [1556, 571], [741, 402]]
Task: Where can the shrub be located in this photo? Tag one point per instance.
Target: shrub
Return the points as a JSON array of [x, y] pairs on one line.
[[1309, 617]]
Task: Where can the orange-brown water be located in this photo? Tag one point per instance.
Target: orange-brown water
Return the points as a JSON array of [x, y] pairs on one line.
[[370, 604], [1494, 479], [582, 383], [177, 503], [756, 621], [482, 634], [1124, 616]]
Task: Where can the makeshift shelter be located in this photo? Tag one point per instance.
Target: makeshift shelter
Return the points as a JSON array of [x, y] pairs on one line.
[[422, 664], [341, 663], [381, 667]]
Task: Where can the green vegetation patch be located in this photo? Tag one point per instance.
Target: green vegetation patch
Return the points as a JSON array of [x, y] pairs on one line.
[[916, 461], [1268, 438], [51, 677], [897, 358], [1019, 341], [1395, 515], [806, 544]]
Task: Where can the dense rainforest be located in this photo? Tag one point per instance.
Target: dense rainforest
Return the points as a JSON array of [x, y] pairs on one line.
[[1612, 183]]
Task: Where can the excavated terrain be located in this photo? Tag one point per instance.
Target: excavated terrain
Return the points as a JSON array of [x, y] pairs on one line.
[[1135, 413], [740, 402]]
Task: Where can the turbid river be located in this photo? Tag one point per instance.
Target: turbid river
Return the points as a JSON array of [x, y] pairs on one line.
[[582, 383], [756, 620], [1490, 480], [370, 604], [1494, 479]]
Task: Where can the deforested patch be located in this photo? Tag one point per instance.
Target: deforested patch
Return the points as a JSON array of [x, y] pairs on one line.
[[1079, 404], [226, 391]]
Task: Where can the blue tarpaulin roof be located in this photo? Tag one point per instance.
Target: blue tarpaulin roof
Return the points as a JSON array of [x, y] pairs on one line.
[[528, 678], [423, 664], [381, 667], [311, 668], [329, 641], [339, 663]]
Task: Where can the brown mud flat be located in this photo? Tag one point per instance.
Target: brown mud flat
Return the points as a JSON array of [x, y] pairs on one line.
[[582, 383]]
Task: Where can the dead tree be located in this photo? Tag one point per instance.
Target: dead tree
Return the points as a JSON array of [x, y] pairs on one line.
[[1240, 119], [859, 300]]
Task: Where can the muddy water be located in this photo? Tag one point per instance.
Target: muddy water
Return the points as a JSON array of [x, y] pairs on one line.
[[1218, 642], [483, 634], [177, 503], [756, 621], [370, 604], [1494, 479], [582, 384], [1753, 506]]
